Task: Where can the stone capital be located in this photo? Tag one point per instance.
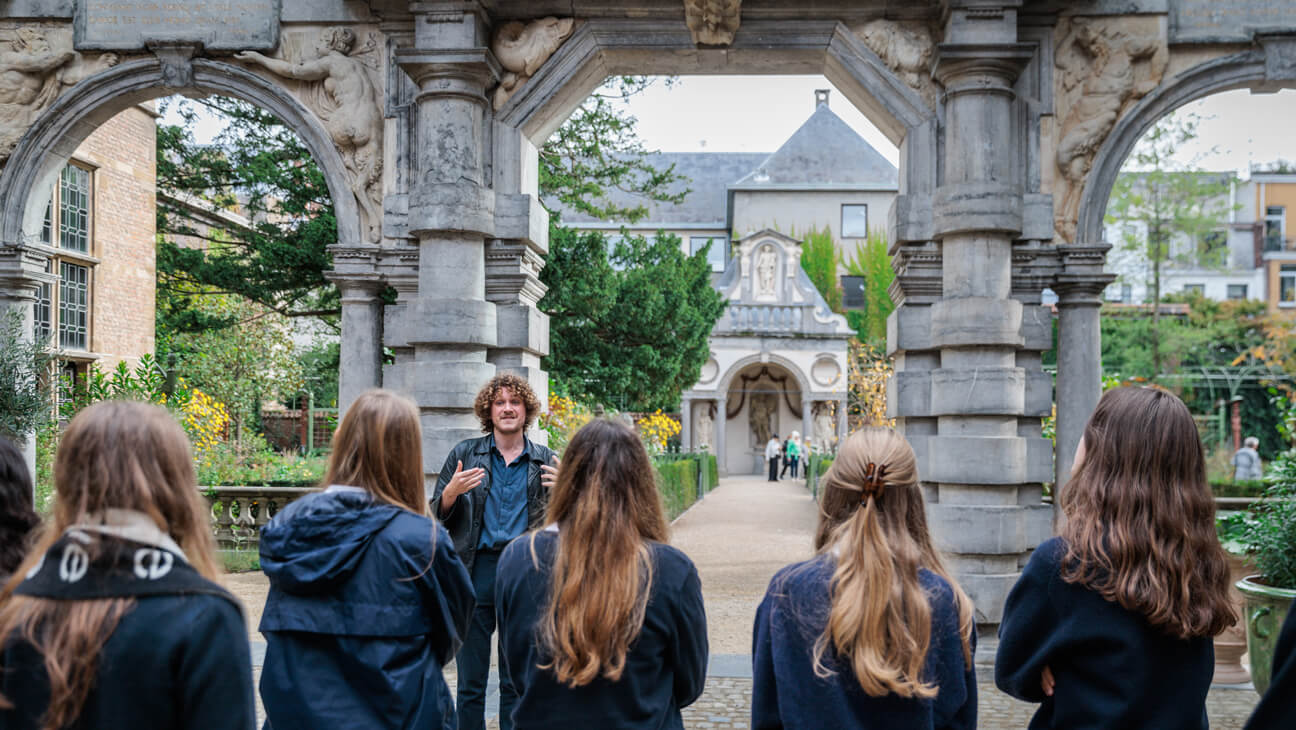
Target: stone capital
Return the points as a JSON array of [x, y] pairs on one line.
[[980, 68], [463, 73], [22, 270]]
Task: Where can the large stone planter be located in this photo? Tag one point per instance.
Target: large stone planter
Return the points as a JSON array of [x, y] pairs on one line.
[[1266, 609], [1232, 644]]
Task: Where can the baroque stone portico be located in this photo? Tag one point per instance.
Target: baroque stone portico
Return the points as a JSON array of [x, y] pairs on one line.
[[1012, 118]]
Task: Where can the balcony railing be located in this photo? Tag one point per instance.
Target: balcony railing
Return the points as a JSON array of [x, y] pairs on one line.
[[765, 318]]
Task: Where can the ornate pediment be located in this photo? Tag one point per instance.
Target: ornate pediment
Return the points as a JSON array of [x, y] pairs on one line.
[[768, 292]]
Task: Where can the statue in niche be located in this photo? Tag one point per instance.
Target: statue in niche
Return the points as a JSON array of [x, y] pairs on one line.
[[761, 413], [344, 95], [1103, 69], [32, 75], [825, 434], [766, 262], [523, 48], [907, 50], [704, 428], [713, 22]]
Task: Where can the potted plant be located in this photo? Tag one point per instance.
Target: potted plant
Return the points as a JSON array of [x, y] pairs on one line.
[[1231, 645], [1270, 541]]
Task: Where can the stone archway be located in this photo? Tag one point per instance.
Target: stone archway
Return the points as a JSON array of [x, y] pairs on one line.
[[59, 129], [1266, 68]]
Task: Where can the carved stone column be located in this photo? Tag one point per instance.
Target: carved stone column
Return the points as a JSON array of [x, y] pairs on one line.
[[807, 420], [1079, 379], [686, 424], [985, 471], [721, 425], [360, 357], [22, 272], [449, 324]]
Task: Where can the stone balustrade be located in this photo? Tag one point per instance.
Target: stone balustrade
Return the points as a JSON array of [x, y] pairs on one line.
[[765, 318], [238, 513]]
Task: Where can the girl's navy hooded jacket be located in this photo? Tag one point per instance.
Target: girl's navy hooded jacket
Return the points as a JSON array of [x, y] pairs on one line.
[[665, 668], [786, 692], [1112, 669], [367, 603]]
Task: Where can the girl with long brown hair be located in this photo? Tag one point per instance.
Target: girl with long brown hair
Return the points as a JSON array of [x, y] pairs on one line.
[[601, 622], [873, 632], [1110, 624], [114, 618], [368, 599]]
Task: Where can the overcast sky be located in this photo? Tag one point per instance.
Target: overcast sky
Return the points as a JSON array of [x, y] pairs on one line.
[[757, 113]]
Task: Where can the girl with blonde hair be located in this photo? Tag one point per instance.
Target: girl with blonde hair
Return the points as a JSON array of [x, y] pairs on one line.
[[1110, 623], [114, 618], [368, 599], [873, 632], [601, 622]]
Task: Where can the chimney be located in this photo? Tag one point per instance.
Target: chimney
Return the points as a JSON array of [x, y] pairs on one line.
[[821, 97]]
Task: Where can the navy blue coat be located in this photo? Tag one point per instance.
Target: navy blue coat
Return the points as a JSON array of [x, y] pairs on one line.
[[173, 662], [665, 668], [367, 603], [1277, 709], [1111, 667], [786, 693]]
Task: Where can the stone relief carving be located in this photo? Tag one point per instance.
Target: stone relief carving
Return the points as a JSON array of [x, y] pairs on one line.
[[341, 87], [907, 49], [705, 426], [713, 22], [760, 415], [766, 261], [825, 435], [522, 48], [1104, 67], [32, 75]]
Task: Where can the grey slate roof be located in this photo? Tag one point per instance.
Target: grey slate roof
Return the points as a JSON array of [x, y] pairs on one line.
[[824, 153], [707, 173]]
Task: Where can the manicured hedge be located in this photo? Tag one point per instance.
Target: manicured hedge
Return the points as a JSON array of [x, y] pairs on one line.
[[713, 470], [677, 481], [1254, 488]]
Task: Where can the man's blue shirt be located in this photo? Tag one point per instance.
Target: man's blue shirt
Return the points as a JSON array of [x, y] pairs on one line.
[[506, 504]]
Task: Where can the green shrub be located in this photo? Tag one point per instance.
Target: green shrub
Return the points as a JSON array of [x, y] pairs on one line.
[[239, 561], [713, 468], [1237, 489], [1270, 537], [677, 482]]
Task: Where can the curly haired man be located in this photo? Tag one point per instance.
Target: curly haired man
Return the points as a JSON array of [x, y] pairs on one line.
[[492, 489]]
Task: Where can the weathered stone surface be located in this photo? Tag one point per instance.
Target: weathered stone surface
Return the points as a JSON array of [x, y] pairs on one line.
[[432, 321], [976, 321], [976, 460], [131, 25], [977, 206], [978, 391]]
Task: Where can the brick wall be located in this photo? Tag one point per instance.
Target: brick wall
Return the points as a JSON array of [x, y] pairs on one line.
[[124, 154]]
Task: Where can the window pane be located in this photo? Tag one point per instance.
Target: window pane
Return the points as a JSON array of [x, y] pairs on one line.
[[47, 225], [854, 221], [44, 325], [717, 255], [1237, 291], [1127, 293], [852, 292], [74, 209], [74, 307], [1198, 288], [1287, 289]]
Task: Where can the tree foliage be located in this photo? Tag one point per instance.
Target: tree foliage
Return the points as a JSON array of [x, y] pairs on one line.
[[819, 259], [872, 262], [260, 169], [597, 151], [634, 336], [1157, 200], [25, 379]]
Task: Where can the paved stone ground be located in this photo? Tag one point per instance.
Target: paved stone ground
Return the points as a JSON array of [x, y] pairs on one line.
[[739, 536]]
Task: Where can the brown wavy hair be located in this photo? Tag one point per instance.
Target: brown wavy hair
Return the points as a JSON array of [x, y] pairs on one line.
[[379, 447], [607, 508], [1140, 519], [520, 388], [115, 454], [880, 619]]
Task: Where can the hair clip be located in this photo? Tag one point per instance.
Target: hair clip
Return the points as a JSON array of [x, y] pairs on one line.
[[873, 482]]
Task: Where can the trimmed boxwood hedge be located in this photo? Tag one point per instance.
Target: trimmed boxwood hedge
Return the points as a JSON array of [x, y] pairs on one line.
[[1255, 488], [677, 482]]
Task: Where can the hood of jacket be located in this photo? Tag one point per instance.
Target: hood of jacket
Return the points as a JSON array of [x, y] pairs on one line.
[[318, 541]]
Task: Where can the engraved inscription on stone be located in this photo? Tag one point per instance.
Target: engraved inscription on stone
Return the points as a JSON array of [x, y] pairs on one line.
[[1228, 20], [228, 25]]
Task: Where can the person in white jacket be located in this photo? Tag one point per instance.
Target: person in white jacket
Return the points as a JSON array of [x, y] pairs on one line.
[[772, 449]]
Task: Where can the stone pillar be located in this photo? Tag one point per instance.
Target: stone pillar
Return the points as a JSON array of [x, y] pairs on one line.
[[449, 324], [686, 424], [807, 419], [360, 361], [1079, 378], [22, 271], [721, 425], [843, 421], [985, 471]]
